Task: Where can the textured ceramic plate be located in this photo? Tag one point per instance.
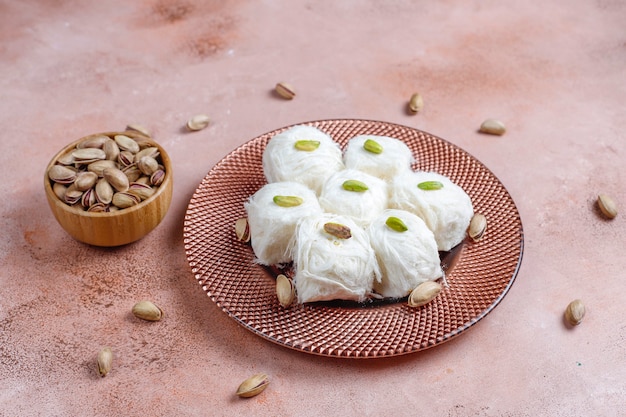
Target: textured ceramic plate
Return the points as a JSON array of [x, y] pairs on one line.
[[479, 274]]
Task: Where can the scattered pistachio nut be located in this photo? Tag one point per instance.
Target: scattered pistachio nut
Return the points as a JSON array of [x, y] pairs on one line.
[[354, 185], [198, 122], [242, 230], [338, 230], [253, 386], [395, 223], [147, 310], [285, 290], [575, 312], [307, 145], [372, 146], [493, 127], [105, 361], [430, 185], [607, 206], [287, 200], [477, 227], [416, 103], [424, 293], [285, 90]]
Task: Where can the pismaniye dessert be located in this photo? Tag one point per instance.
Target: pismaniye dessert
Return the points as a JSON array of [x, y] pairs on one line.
[[354, 226]]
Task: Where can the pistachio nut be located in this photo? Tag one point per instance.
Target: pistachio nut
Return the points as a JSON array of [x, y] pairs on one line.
[[307, 145], [126, 158], [242, 230], [97, 208], [253, 385], [198, 122], [72, 195], [59, 190], [285, 90], [147, 165], [424, 293], [285, 290], [607, 206], [354, 185], [98, 167], [105, 361], [575, 312], [416, 103], [287, 200], [104, 191], [372, 146], [340, 231], [395, 223], [93, 142], [477, 227], [430, 185], [141, 190], [147, 310], [66, 159], [125, 199], [127, 143], [88, 198], [85, 180], [493, 127], [151, 151], [118, 180], [132, 173], [62, 174], [157, 177], [88, 155], [111, 150]]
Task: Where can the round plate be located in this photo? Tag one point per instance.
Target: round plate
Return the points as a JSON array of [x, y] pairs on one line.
[[478, 277]]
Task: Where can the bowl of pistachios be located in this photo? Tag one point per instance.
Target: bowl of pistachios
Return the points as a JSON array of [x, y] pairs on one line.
[[110, 189]]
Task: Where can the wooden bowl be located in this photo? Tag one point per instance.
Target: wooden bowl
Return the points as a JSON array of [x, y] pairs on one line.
[[114, 228]]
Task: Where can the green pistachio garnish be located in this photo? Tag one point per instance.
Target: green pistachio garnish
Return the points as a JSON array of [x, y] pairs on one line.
[[396, 224], [307, 145], [287, 200], [430, 185], [372, 146], [354, 185]]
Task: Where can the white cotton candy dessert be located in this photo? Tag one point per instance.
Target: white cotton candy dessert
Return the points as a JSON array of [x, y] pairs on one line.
[[331, 268], [272, 226], [406, 258], [283, 160], [447, 211], [395, 156], [363, 206]]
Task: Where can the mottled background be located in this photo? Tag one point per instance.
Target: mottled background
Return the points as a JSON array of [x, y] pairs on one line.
[[553, 71]]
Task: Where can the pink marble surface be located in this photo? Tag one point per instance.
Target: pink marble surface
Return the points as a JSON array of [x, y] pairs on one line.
[[553, 71]]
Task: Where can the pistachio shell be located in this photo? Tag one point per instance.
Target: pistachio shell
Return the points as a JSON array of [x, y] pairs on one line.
[[152, 151], [285, 90], [575, 312], [416, 103], [198, 122], [607, 206], [85, 180], [126, 143], [147, 165], [117, 179], [89, 198], [143, 191], [99, 166], [88, 155], [493, 127], [424, 293], [285, 290], [147, 310], [253, 385], [477, 227], [138, 128], [59, 190], [124, 200], [93, 142], [157, 177], [62, 174], [104, 191], [242, 230], [111, 150], [105, 361], [132, 173], [72, 195]]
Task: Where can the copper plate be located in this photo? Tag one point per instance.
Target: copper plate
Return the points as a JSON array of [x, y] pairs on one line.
[[481, 275]]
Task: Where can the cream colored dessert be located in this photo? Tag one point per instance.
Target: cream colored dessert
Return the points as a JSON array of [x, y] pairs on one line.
[[302, 154], [330, 265], [381, 156], [273, 213], [406, 251], [444, 206], [354, 193]]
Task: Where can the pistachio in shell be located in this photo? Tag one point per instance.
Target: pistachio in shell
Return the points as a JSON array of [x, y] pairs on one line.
[[253, 386], [147, 310]]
